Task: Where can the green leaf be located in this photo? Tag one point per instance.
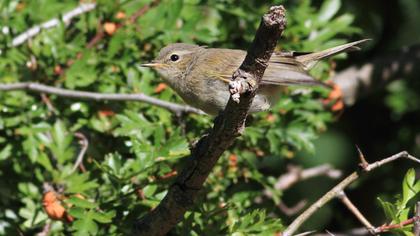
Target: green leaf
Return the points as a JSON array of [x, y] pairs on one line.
[[149, 190], [328, 9], [77, 212], [85, 226], [5, 152], [408, 190], [390, 210], [82, 203], [103, 217], [82, 73]]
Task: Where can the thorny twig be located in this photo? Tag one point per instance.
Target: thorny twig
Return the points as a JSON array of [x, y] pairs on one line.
[[294, 226]]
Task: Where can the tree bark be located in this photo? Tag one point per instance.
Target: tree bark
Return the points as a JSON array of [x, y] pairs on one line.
[[227, 126]]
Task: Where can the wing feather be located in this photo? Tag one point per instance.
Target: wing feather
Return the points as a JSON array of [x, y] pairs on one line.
[[282, 70]]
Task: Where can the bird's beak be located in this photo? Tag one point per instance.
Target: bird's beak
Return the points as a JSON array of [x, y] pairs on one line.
[[152, 65]]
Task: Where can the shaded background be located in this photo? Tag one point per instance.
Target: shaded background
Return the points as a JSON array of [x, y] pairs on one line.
[[381, 123]]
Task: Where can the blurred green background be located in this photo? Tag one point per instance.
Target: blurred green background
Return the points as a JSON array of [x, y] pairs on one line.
[[133, 146]]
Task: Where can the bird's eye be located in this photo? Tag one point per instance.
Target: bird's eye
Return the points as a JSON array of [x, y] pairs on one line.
[[174, 57]]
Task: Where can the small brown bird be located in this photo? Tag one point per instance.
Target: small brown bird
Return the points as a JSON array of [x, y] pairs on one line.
[[201, 75]]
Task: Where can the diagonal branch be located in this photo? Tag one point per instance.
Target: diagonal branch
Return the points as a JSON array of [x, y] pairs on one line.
[[334, 192], [349, 204], [227, 126], [139, 97], [67, 17]]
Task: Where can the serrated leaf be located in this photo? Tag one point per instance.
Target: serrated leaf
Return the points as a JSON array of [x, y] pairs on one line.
[[102, 217], [77, 212], [82, 203], [85, 226]]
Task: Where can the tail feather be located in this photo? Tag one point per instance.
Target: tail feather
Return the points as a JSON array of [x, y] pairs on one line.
[[309, 60]]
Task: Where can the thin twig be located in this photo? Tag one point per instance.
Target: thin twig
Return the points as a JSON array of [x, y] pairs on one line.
[[329, 233], [416, 228], [347, 202], [47, 102], [35, 87], [293, 210], [143, 11], [46, 229], [294, 226], [354, 232], [227, 127], [100, 34], [305, 233], [67, 17], [296, 174], [386, 228], [84, 143]]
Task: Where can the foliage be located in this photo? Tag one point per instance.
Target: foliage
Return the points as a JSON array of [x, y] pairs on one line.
[[134, 148], [403, 207]]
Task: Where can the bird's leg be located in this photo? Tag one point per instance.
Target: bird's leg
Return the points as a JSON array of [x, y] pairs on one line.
[[243, 83]]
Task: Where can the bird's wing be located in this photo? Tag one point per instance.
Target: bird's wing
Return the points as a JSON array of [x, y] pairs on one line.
[[220, 64], [284, 69]]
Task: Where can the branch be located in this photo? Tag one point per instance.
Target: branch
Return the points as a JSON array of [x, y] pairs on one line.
[[334, 192], [84, 143], [357, 81], [140, 12], [139, 97], [349, 204], [67, 17], [386, 228], [46, 229], [227, 126], [416, 228], [353, 232], [143, 11], [296, 174]]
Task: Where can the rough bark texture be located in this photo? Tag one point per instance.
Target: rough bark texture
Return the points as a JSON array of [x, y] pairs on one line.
[[357, 81], [227, 126]]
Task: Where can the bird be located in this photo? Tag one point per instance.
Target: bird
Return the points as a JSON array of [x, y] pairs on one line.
[[201, 75]]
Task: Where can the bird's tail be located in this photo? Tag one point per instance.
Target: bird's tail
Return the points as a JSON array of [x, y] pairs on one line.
[[309, 60]]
